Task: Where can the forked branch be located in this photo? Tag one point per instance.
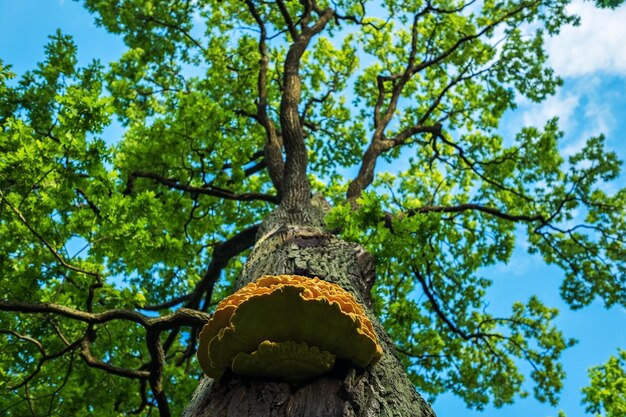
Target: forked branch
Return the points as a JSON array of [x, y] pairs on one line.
[[390, 89]]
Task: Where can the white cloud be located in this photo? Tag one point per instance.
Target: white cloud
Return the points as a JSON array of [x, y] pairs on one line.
[[598, 117], [561, 105], [584, 107], [598, 44]]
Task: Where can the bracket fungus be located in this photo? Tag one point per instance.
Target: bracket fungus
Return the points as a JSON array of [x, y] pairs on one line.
[[287, 327]]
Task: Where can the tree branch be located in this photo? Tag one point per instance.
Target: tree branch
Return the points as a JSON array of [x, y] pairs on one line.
[[470, 206], [168, 304], [222, 254], [90, 360], [433, 61], [209, 190], [181, 317], [378, 143], [156, 372], [175, 27], [44, 355], [377, 146], [90, 203], [273, 143], [297, 188], [293, 31], [44, 241]]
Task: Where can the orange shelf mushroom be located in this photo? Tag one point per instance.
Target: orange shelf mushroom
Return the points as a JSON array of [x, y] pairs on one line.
[[287, 327]]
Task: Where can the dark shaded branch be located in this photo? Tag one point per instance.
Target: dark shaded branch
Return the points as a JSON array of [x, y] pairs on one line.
[[211, 191], [378, 143], [90, 203], [85, 353], [182, 317], [409, 132], [91, 292], [435, 306], [293, 31], [168, 304], [483, 336], [477, 207], [254, 157], [29, 400], [154, 326], [315, 100], [156, 372], [273, 143], [90, 360], [190, 350], [222, 254], [150, 18], [255, 168], [449, 11], [251, 170]]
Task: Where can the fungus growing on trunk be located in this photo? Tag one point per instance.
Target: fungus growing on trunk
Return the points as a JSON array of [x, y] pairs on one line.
[[287, 327]]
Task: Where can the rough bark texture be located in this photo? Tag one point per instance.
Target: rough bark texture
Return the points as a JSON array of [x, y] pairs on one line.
[[294, 242]]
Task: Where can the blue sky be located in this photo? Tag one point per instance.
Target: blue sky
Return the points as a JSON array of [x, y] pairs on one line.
[[592, 60]]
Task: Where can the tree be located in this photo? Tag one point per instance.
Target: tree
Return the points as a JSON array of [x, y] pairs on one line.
[[235, 114]]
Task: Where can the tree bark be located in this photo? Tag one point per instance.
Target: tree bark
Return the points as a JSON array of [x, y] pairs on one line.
[[294, 242]]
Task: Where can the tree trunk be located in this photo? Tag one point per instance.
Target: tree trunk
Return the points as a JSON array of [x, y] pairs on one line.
[[295, 243]]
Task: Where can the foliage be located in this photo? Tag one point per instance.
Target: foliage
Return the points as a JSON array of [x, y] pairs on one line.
[[608, 4], [607, 389], [112, 236]]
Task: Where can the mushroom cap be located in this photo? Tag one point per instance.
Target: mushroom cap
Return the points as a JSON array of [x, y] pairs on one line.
[[283, 309]]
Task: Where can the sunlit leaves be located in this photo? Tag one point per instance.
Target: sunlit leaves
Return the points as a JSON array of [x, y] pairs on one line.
[[606, 394]]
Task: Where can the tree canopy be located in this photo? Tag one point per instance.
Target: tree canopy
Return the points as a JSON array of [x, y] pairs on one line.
[[116, 250]]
